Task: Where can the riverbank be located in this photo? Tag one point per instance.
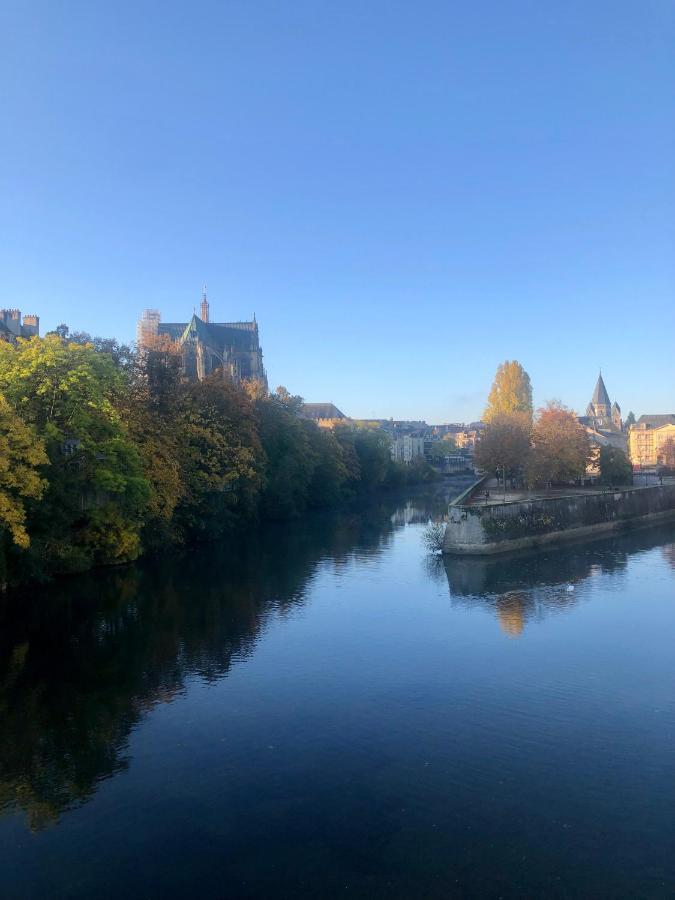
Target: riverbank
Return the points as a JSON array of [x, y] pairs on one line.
[[482, 525], [419, 481]]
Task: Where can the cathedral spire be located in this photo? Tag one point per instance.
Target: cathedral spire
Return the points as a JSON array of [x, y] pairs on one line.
[[204, 308]]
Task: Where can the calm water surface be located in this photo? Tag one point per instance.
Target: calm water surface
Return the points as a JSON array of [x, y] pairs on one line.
[[323, 710]]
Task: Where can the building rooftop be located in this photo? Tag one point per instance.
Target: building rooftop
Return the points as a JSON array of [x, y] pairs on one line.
[[600, 395], [656, 421], [321, 411], [240, 335]]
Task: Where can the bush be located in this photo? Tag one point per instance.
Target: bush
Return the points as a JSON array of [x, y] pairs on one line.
[[433, 536]]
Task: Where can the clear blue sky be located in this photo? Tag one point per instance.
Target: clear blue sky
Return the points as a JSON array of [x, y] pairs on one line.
[[405, 193]]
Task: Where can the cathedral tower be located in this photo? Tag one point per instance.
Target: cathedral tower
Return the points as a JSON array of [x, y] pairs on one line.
[[204, 308]]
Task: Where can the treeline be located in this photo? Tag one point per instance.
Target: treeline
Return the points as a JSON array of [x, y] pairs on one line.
[[547, 448], [105, 453]]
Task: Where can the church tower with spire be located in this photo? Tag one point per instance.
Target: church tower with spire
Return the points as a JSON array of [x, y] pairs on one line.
[[204, 307], [601, 413], [600, 406]]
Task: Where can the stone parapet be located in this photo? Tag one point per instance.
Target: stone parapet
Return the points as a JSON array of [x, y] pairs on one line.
[[526, 524]]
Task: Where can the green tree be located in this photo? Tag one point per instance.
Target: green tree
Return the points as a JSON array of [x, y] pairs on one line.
[[92, 509], [291, 402], [22, 454], [345, 436], [511, 392], [328, 486], [630, 419], [373, 450], [153, 409], [221, 456], [440, 449], [614, 467], [289, 459]]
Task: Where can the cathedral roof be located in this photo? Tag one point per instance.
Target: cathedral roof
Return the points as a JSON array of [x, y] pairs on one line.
[[239, 335], [600, 395]]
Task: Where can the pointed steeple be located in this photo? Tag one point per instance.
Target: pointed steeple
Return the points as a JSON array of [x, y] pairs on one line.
[[204, 308], [600, 395]]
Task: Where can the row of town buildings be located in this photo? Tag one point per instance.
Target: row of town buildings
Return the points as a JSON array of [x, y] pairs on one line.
[[409, 439], [234, 349], [647, 442]]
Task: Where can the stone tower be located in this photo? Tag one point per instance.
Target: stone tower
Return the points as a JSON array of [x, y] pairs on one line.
[[600, 406], [204, 307], [601, 413], [11, 326]]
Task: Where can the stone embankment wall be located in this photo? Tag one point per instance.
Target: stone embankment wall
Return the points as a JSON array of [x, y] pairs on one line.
[[524, 524]]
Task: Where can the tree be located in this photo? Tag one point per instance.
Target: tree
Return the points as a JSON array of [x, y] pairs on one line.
[[440, 449], [511, 392], [291, 402], [22, 454], [630, 419], [614, 467], [153, 409], [220, 456], [373, 449], [504, 444], [121, 354], [666, 455], [560, 446], [92, 509], [62, 331], [330, 476], [289, 459]]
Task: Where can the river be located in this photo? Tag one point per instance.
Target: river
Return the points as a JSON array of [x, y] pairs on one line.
[[322, 709]]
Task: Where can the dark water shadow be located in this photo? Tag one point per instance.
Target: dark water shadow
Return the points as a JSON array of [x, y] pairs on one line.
[[83, 660]]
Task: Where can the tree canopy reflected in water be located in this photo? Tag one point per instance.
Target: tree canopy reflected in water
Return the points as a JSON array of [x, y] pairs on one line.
[[82, 660]]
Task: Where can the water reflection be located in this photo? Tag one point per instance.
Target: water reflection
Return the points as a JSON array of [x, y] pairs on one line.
[[521, 587], [83, 660]]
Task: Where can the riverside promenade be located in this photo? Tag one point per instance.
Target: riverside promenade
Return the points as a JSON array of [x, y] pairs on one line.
[[496, 495]]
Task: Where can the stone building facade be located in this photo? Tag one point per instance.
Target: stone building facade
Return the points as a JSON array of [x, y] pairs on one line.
[[13, 326], [647, 438], [206, 347]]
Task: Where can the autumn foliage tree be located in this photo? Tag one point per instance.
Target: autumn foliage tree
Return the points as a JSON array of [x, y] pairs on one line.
[[511, 392], [504, 445], [560, 446], [666, 455]]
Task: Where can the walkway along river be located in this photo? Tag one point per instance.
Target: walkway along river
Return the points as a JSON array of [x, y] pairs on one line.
[[325, 710]]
